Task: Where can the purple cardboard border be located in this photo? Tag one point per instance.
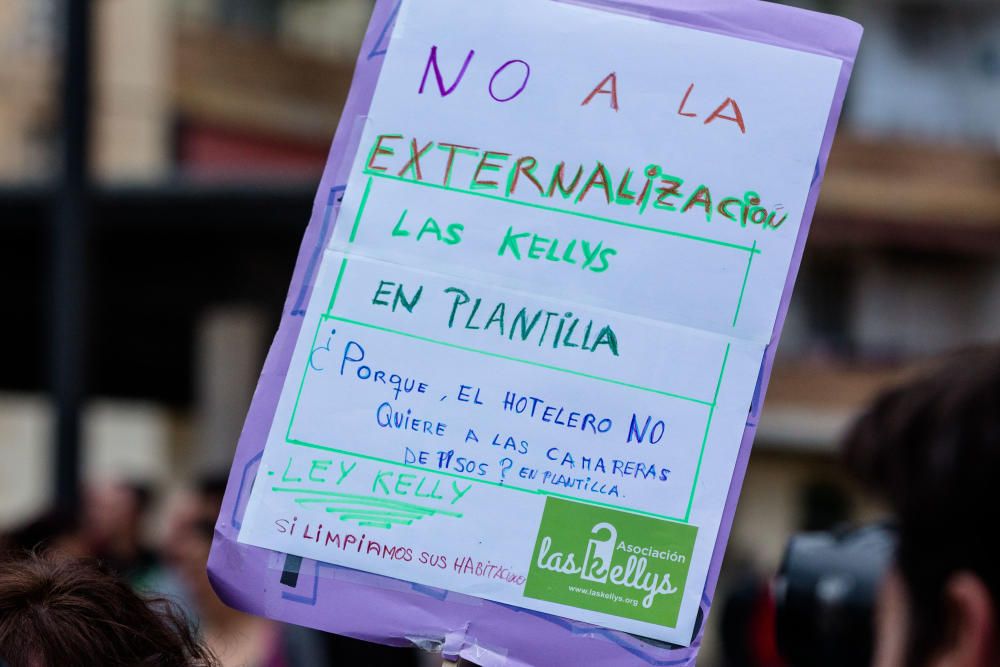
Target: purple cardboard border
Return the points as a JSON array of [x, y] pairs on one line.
[[380, 609]]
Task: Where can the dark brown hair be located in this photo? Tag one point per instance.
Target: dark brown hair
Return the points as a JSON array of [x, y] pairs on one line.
[[932, 450], [57, 612]]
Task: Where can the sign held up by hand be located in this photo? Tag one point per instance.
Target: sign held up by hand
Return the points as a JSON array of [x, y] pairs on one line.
[[537, 334]]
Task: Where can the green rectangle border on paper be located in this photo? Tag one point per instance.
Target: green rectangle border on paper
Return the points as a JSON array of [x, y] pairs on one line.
[[328, 316]]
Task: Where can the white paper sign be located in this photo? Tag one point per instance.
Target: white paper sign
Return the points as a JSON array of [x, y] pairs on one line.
[[532, 346]]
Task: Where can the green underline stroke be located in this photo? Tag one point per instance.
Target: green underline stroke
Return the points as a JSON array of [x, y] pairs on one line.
[[368, 502], [335, 496], [361, 516], [377, 513]]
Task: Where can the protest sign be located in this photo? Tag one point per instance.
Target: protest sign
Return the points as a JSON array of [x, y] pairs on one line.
[[532, 324]]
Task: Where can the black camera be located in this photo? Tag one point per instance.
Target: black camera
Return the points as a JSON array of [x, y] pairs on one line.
[[825, 594]]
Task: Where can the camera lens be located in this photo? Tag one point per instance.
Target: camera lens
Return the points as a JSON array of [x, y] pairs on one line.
[[826, 592]]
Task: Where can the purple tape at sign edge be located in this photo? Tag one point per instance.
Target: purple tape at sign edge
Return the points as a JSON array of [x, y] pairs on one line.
[[371, 607]]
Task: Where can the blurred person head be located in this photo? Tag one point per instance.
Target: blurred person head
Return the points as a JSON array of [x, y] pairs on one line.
[[60, 611], [113, 516], [931, 449], [189, 539]]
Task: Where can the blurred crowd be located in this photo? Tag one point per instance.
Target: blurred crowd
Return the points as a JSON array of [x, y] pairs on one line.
[[161, 546]]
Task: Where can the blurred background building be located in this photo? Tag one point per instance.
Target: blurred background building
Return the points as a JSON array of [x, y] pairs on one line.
[[211, 124]]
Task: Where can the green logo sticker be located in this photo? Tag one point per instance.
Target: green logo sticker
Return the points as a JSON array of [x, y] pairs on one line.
[[611, 562]]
